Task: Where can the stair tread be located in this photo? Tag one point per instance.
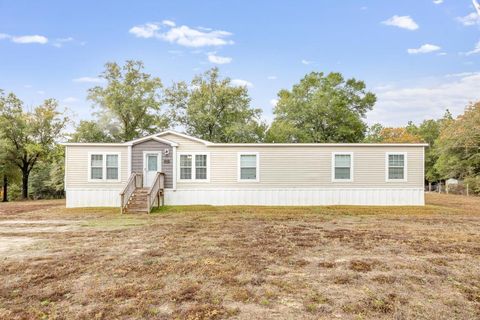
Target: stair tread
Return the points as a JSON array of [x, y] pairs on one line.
[[138, 201]]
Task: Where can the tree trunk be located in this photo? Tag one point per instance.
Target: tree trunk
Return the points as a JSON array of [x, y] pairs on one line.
[[5, 188], [25, 174]]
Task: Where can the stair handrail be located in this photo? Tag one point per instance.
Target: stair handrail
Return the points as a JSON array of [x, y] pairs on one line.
[[157, 187], [129, 189]]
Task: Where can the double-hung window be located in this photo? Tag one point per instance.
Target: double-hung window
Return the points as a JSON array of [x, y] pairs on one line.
[[248, 167], [186, 167], [194, 166], [112, 166], [96, 166], [200, 167], [104, 167], [342, 167], [396, 166]]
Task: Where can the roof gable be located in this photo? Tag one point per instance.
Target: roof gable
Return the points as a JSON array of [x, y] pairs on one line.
[[152, 137], [185, 136]]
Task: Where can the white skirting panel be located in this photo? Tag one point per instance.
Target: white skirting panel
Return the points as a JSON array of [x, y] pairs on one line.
[[298, 196], [93, 197]]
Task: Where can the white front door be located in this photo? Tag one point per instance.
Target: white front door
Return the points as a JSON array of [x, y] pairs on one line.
[[151, 165]]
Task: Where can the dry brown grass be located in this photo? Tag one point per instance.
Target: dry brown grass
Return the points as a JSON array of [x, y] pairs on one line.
[[242, 262]]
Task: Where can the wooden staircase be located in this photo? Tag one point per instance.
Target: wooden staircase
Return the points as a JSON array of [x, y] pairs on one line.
[[137, 199]]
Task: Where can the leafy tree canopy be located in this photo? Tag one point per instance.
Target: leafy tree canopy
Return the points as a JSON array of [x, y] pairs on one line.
[[458, 145], [213, 109], [398, 135], [29, 135], [132, 98], [322, 108], [91, 131]]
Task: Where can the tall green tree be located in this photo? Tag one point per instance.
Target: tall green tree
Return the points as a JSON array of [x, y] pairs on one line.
[[132, 97], [322, 108], [429, 131], [458, 145], [213, 109], [92, 131], [29, 135], [8, 172], [47, 178], [374, 133]]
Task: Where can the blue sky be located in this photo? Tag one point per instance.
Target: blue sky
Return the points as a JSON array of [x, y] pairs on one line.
[[419, 56]]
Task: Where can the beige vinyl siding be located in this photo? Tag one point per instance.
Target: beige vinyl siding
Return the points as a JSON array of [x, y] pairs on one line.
[[296, 167], [76, 173]]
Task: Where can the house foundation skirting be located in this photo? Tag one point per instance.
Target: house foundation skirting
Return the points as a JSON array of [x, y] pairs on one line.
[[93, 197], [298, 196], [98, 197]]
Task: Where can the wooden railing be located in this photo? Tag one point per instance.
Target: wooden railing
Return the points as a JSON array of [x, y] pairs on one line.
[[156, 191], [135, 181]]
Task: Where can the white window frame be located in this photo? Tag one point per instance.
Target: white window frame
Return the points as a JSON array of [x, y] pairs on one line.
[[193, 154], [239, 171], [405, 166], [104, 167], [351, 166]]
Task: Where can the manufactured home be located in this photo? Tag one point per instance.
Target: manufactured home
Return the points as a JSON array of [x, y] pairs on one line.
[[177, 169]]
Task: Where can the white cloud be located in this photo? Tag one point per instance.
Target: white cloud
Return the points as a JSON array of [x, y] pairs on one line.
[[306, 62], [241, 83], [88, 80], [147, 30], [188, 37], [272, 77], [59, 42], [438, 1], [218, 59], [460, 74], [27, 86], [398, 105], [169, 23], [426, 48], [24, 39], [273, 102], [182, 35], [41, 92], [404, 22], [470, 19], [30, 39], [475, 50], [70, 100]]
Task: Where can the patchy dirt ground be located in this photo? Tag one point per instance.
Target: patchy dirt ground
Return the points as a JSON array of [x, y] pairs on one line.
[[26, 206], [242, 262]]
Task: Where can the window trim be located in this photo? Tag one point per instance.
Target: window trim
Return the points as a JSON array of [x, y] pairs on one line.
[[193, 179], [405, 166], [239, 171], [351, 166], [104, 167]]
